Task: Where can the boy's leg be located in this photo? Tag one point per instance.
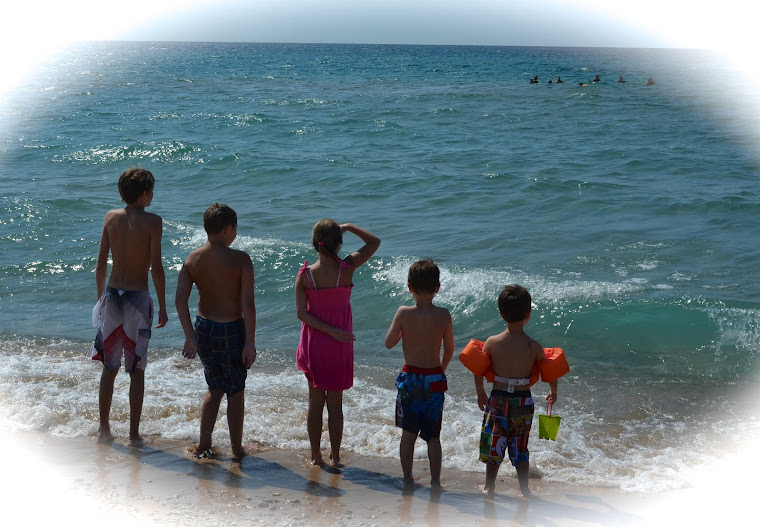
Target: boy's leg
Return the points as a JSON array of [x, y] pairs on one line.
[[136, 395], [435, 457], [105, 396], [335, 424], [523, 469], [492, 469], [235, 413], [314, 422], [406, 454], [209, 411]]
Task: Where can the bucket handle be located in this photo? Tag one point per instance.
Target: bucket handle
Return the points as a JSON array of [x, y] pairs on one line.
[[549, 406]]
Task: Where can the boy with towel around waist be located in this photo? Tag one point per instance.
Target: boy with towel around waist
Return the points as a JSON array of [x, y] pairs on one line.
[[224, 331], [422, 328], [508, 412]]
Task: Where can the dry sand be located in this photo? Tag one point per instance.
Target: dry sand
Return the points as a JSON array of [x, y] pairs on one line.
[[77, 480]]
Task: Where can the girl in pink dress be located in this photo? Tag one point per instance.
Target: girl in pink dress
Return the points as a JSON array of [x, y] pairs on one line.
[[326, 349]]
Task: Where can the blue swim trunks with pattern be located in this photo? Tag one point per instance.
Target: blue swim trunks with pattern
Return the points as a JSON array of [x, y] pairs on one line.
[[419, 403]]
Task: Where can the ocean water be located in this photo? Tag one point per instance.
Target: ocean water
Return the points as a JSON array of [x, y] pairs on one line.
[[630, 212]]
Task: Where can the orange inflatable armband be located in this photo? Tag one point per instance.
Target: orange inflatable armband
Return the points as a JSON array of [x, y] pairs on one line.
[[474, 359], [553, 366], [550, 369]]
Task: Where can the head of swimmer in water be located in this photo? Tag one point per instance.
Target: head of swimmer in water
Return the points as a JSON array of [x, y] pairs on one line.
[[514, 304], [327, 237], [135, 182]]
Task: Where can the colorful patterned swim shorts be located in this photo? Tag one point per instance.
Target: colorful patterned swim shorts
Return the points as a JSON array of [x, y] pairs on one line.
[[506, 427]]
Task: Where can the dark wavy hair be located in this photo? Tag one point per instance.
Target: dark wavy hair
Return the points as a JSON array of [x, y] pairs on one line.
[[424, 276], [514, 303], [135, 182], [217, 217]]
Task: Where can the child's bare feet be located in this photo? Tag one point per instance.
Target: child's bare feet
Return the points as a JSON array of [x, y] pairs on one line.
[[202, 451], [246, 450], [104, 436], [408, 484], [488, 490], [136, 442], [335, 461]]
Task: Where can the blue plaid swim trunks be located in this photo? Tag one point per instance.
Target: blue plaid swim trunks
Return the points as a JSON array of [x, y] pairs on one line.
[[220, 348]]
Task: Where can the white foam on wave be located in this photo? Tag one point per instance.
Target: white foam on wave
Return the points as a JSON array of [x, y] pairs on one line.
[[51, 386], [464, 289]]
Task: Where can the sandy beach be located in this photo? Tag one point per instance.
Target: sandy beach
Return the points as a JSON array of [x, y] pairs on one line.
[[76, 479]]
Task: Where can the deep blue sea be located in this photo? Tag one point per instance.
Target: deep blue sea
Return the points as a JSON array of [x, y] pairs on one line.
[[629, 211]]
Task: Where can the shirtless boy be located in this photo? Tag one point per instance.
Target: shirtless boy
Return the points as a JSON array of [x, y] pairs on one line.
[[224, 331], [422, 328], [508, 412], [133, 238]]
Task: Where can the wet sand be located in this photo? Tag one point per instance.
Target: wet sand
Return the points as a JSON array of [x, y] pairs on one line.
[[65, 479]]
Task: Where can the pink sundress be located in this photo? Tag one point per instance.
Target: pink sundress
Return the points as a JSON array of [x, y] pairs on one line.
[[327, 363]]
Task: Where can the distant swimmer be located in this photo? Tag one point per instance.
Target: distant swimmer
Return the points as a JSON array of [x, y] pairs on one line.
[[559, 80], [550, 81], [650, 81], [534, 80], [621, 79], [597, 79]]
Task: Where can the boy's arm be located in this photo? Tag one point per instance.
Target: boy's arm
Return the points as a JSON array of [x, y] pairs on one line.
[[394, 332], [248, 308], [541, 355], [101, 267], [181, 297], [157, 272], [448, 343], [552, 397], [310, 320], [371, 243], [482, 397]]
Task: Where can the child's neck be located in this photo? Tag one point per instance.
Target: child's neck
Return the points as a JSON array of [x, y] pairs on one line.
[[423, 301], [218, 240], [516, 327]]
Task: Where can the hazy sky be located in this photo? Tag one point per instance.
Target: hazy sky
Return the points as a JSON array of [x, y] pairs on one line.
[[29, 28]]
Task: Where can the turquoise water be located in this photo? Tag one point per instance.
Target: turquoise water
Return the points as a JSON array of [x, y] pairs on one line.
[[628, 211]]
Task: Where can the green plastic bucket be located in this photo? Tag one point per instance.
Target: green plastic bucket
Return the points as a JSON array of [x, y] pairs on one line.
[[548, 425]]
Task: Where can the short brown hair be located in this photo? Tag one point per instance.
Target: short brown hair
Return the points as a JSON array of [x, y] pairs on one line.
[[135, 182], [424, 276], [514, 303], [217, 217]]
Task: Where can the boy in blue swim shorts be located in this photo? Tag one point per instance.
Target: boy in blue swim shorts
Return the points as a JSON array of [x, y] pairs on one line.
[[423, 328], [508, 412], [224, 331]]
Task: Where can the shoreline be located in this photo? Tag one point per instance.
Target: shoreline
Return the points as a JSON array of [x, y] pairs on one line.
[[162, 483]]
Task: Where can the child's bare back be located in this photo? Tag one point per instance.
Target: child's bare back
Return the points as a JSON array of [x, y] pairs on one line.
[[217, 272], [422, 329], [513, 354], [132, 235]]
